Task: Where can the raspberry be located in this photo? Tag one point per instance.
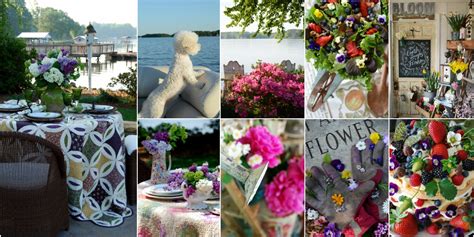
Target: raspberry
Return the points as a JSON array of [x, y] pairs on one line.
[[415, 180]]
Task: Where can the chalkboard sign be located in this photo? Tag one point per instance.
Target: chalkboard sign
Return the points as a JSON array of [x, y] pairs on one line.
[[413, 57]]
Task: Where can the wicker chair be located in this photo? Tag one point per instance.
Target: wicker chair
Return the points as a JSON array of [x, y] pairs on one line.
[[33, 190]]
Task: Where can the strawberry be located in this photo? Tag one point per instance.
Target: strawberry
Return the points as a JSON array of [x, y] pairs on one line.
[[315, 27], [440, 150], [457, 179], [460, 131], [352, 49], [437, 131], [412, 123], [415, 180], [433, 229], [364, 8], [323, 40], [419, 202], [407, 226], [461, 155], [458, 222], [371, 31], [429, 165]]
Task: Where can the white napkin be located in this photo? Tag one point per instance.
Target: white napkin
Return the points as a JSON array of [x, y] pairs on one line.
[[14, 102], [34, 108]]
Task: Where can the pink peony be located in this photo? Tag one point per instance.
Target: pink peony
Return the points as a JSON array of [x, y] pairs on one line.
[[285, 194], [263, 143], [296, 169]]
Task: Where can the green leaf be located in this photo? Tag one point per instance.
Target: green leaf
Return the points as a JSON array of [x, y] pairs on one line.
[[431, 188], [411, 140], [447, 189], [400, 132], [326, 158]]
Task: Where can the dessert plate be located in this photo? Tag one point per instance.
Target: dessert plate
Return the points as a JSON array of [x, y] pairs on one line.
[[160, 190]]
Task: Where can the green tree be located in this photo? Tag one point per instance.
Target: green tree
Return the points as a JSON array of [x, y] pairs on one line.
[[15, 17], [57, 22], [129, 80], [270, 15]]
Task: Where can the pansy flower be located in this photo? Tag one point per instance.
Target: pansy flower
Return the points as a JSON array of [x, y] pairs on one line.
[[421, 215], [433, 212], [393, 188], [394, 163], [338, 165], [382, 19], [451, 211], [437, 160], [425, 144]]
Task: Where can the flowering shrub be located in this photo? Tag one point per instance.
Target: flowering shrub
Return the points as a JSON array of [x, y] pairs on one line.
[[268, 91], [285, 193], [54, 68]]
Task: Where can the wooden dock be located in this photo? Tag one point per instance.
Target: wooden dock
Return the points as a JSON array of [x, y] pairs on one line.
[[123, 55], [76, 50]]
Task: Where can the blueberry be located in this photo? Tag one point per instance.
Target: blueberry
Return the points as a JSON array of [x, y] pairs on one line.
[[356, 10], [356, 26], [465, 173], [347, 10], [334, 26], [341, 18], [437, 202], [416, 146]]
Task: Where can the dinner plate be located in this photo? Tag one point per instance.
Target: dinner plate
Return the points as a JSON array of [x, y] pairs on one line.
[[161, 191], [44, 115], [163, 198], [100, 109], [10, 107]]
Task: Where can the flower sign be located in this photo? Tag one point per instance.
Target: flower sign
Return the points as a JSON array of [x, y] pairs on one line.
[[54, 68], [347, 37]]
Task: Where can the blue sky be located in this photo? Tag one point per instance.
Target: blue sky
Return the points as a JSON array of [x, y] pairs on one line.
[[170, 16]]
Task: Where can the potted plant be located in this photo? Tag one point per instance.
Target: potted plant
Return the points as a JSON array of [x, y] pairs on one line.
[[432, 84], [53, 71], [458, 67], [456, 21]]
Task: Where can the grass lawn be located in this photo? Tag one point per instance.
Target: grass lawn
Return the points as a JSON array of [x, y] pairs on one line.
[[129, 114]]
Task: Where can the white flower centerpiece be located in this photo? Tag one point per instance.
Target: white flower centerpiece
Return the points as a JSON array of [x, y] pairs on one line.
[[53, 72], [199, 184]]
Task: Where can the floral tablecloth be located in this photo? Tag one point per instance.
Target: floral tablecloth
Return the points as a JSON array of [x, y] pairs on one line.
[[172, 218], [93, 147]]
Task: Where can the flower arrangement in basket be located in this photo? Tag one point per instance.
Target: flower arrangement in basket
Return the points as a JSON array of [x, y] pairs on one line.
[[268, 84], [347, 37], [253, 146], [163, 141], [431, 85], [456, 21], [53, 71]]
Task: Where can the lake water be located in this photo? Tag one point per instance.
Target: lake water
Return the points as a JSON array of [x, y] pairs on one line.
[[248, 51], [160, 51], [103, 71]]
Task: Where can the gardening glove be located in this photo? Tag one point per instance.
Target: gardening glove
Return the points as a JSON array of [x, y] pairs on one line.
[[371, 163], [324, 188]]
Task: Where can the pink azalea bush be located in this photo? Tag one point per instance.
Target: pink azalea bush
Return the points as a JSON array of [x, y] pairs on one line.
[[263, 143], [284, 195], [268, 91]]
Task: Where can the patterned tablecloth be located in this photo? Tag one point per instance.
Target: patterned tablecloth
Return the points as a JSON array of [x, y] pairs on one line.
[[94, 152], [172, 218]]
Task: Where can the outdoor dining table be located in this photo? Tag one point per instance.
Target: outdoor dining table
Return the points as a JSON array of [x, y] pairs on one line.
[[158, 217], [94, 153]]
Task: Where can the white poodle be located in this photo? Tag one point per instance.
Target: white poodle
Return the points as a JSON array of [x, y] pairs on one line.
[[180, 74]]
